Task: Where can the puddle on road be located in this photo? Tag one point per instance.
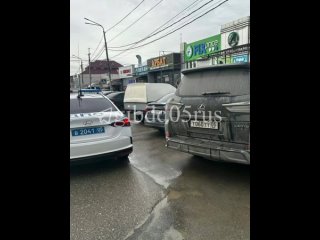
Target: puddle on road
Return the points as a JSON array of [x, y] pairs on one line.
[[174, 195], [159, 225], [195, 193], [161, 174], [172, 234]]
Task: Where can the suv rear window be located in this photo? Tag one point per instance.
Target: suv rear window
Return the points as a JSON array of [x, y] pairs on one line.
[[235, 81], [90, 105]]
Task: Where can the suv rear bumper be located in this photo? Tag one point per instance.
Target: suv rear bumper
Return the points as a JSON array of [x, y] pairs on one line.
[[214, 150]]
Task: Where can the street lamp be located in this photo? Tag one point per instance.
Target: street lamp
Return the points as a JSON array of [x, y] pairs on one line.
[[105, 45], [74, 56]]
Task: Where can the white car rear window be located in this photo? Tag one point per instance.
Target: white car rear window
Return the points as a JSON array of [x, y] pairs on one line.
[[90, 105]]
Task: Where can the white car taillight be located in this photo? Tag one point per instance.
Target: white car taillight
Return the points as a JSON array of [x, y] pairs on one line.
[[123, 123]]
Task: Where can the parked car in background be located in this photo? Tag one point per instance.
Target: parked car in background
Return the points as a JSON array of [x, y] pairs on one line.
[[94, 87], [106, 92], [97, 129], [117, 99], [138, 95], [155, 112], [223, 90], [89, 90]]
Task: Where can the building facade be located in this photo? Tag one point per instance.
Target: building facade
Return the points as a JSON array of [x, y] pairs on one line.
[[232, 45], [126, 76], [236, 36], [165, 69], [100, 73], [141, 73]]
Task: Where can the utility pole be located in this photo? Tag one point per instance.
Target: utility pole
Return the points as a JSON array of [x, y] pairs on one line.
[[81, 73], [108, 63], [105, 45], [89, 67]]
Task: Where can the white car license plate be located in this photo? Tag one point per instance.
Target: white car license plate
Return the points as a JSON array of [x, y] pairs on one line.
[[87, 131], [204, 124]]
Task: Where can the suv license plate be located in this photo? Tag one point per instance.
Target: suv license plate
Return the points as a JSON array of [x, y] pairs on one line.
[[204, 124]]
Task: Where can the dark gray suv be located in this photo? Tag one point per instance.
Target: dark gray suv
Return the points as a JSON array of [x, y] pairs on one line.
[[209, 115]]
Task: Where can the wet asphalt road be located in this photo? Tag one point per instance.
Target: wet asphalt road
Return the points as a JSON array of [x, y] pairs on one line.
[[159, 194]]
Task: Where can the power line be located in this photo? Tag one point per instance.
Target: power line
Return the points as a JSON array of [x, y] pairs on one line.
[[99, 54], [103, 48], [131, 48], [199, 14], [125, 16], [134, 44], [175, 29], [135, 21], [176, 15], [155, 33], [97, 46], [160, 26], [169, 33], [114, 26]]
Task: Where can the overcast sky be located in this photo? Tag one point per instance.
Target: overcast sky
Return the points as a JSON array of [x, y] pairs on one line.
[[109, 12]]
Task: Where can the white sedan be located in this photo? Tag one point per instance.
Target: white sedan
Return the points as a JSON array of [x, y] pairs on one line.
[[97, 128]]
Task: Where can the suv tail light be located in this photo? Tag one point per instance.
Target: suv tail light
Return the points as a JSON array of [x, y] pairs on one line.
[[123, 123]]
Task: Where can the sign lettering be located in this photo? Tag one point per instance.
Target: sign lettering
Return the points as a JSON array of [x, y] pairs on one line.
[[158, 62]]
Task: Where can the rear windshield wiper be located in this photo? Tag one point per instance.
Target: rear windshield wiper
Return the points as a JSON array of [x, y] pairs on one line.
[[215, 93]]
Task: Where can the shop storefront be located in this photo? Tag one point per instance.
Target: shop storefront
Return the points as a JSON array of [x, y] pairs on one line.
[[232, 45], [201, 52], [126, 75], [235, 41], [141, 74], [165, 69]]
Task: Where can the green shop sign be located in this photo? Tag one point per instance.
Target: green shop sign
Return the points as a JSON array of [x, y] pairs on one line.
[[202, 48]]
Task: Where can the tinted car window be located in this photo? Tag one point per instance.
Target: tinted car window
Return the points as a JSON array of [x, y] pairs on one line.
[[89, 105], [235, 81]]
